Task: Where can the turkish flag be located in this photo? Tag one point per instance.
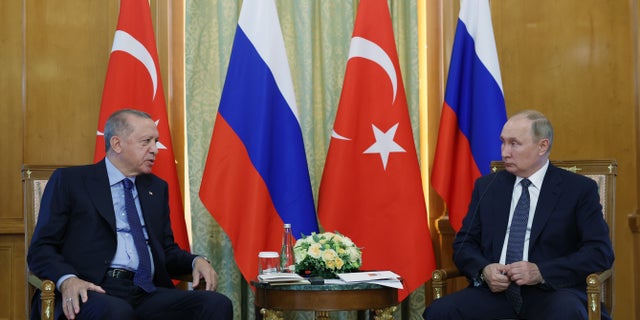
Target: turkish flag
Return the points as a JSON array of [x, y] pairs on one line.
[[133, 82], [371, 189]]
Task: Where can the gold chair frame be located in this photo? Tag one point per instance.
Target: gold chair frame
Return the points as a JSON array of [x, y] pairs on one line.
[[34, 180], [599, 285]]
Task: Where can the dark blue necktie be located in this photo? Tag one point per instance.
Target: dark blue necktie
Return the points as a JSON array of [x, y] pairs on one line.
[[142, 278], [515, 246]]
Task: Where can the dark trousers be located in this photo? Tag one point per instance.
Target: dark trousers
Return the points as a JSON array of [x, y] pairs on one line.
[[480, 303], [124, 300]]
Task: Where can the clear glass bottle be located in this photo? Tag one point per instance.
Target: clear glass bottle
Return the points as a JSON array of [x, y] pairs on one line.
[[287, 260]]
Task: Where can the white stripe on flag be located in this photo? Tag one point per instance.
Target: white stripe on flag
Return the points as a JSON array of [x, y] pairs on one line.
[[259, 21], [481, 31]]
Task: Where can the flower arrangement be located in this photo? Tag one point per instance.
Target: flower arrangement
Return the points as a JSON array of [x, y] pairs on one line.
[[326, 254]]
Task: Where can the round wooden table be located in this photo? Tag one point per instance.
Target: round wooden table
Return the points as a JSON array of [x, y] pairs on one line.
[[272, 300]]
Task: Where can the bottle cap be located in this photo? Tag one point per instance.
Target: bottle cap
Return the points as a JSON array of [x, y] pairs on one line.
[[287, 225], [267, 254]]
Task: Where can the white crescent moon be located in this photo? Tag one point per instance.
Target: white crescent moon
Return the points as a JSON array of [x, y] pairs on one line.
[[364, 48], [336, 135], [123, 41]]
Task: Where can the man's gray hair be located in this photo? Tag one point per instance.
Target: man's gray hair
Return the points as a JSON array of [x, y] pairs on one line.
[[541, 127], [117, 125]]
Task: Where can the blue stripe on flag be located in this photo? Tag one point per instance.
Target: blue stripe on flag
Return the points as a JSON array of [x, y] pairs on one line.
[[254, 107], [476, 98]]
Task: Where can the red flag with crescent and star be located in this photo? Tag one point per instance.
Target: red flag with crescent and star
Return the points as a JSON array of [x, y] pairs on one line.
[[133, 82], [371, 189]]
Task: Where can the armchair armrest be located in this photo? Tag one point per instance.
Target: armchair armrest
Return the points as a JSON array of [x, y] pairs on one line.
[[47, 295], [595, 281], [439, 279]]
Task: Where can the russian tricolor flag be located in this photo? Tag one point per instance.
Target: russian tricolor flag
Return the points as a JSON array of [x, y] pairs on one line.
[[473, 112], [256, 176]]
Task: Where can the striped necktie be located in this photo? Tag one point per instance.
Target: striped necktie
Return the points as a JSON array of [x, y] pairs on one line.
[[515, 246]]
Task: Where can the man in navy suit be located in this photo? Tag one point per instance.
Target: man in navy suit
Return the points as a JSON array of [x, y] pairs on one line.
[[84, 241], [565, 235]]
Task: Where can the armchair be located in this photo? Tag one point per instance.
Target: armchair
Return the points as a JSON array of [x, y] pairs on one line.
[[599, 285], [34, 180]]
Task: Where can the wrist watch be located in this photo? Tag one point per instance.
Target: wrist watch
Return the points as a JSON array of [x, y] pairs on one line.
[[478, 281]]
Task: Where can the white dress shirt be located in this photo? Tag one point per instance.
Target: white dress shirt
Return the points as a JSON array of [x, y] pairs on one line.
[[534, 193]]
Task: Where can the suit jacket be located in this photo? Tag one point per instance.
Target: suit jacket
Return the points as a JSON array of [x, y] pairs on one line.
[[76, 228], [569, 236]]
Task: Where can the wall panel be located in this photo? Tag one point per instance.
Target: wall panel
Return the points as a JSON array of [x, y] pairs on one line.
[[67, 50], [12, 277], [11, 127]]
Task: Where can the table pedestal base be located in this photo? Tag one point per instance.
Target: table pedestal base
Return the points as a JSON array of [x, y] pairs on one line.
[[272, 301], [379, 314]]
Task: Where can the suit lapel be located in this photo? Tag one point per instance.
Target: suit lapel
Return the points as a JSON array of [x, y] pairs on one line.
[[97, 185], [549, 195], [504, 185]]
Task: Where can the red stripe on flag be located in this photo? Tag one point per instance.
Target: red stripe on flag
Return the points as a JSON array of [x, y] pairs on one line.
[[455, 163], [243, 204]]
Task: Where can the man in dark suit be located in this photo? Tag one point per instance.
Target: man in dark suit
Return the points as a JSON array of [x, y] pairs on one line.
[[85, 240], [534, 267]]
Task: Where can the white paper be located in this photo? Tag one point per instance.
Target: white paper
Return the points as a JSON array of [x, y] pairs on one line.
[[280, 277], [368, 276], [383, 278]]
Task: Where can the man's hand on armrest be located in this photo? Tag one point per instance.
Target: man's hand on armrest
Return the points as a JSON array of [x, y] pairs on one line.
[[202, 269], [74, 290]]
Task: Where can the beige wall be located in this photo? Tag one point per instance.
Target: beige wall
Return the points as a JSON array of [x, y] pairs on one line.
[[574, 60], [11, 244]]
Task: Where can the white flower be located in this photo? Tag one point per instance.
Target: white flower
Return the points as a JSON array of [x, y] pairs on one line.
[[347, 242], [329, 255], [315, 250], [299, 253], [354, 254], [326, 254]]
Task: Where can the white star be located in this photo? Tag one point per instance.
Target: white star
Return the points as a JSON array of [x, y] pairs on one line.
[[384, 144], [159, 145]]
